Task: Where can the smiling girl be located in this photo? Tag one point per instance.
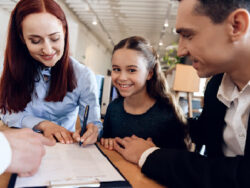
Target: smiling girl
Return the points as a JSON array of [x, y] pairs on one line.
[[41, 86], [145, 108]]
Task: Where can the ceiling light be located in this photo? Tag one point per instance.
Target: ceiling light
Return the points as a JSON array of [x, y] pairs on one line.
[[166, 23], [94, 22]]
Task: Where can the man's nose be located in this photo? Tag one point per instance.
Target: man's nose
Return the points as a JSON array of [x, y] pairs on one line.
[[182, 49]]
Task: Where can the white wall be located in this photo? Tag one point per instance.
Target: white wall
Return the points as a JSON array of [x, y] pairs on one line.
[[4, 20], [83, 45]]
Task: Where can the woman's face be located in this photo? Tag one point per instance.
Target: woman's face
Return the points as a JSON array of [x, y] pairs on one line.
[[43, 35]]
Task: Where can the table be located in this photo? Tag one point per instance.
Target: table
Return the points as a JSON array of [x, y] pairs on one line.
[[131, 171]]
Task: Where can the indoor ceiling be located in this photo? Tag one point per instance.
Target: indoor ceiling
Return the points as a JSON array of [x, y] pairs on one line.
[[113, 20]]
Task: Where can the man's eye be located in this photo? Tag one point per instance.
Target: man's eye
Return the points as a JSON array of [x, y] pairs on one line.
[[187, 36]]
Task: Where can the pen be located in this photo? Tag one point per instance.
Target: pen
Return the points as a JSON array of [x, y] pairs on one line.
[[84, 124]]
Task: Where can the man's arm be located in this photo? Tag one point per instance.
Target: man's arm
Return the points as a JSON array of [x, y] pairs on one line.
[[179, 168], [189, 170], [27, 148]]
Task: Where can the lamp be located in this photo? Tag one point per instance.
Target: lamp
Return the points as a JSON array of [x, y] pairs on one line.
[[186, 80]]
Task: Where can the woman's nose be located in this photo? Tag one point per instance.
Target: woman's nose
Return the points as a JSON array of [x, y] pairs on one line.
[[47, 48]]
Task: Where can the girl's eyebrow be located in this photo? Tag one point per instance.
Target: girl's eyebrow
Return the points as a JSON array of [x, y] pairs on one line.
[[133, 66]]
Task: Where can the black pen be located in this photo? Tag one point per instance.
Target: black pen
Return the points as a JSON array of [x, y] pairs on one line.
[[84, 124]]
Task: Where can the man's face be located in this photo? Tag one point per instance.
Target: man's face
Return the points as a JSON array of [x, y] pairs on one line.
[[207, 44]]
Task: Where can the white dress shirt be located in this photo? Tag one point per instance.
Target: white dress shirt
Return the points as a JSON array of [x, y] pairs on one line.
[[6, 154], [236, 118]]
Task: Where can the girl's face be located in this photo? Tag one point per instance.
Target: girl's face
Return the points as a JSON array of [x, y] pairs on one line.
[[43, 35], [129, 72]]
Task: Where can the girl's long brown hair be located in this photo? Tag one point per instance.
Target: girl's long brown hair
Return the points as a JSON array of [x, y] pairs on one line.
[[20, 70], [157, 86]]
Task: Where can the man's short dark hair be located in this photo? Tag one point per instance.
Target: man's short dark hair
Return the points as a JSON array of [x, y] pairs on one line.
[[218, 10]]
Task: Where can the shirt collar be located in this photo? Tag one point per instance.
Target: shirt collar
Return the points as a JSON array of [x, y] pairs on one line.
[[228, 91], [46, 72]]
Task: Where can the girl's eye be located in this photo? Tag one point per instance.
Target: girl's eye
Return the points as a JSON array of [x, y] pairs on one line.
[[116, 69], [132, 70]]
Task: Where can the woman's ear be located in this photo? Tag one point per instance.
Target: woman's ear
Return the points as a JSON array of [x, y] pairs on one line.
[[21, 38], [238, 22]]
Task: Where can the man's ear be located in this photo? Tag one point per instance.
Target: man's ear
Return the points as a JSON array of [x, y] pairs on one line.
[[238, 22]]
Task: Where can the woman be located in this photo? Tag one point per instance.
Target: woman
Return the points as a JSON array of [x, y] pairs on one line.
[[41, 86]]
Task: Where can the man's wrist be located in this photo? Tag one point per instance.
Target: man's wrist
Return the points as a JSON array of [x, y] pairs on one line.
[[145, 154], [7, 153]]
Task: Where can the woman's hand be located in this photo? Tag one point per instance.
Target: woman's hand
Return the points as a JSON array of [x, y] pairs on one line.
[[89, 137], [55, 132], [108, 143]]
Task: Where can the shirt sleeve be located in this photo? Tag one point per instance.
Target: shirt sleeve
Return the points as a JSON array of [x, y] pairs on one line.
[[20, 120], [145, 154], [6, 154], [89, 96]]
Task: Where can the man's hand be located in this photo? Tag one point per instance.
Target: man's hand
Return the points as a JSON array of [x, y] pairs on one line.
[[52, 131], [89, 137], [27, 150], [131, 148]]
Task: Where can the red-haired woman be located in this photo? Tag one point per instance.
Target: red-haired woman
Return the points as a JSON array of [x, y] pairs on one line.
[[41, 86]]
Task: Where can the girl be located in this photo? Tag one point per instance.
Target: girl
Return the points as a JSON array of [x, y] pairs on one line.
[[41, 86], [145, 108]]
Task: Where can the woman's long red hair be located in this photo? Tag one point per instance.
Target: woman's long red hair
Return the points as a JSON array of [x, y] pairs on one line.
[[20, 69]]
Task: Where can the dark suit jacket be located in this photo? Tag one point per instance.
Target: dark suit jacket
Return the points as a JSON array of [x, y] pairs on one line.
[[177, 168]]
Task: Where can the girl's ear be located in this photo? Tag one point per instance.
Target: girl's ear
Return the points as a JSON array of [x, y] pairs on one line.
[[150, 74]]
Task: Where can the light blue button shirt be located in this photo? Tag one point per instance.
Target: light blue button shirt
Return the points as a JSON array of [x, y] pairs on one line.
[[63, 113]]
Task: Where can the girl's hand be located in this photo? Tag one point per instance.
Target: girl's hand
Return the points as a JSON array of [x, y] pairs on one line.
[[55, 132], [108, 143], [89, 137]]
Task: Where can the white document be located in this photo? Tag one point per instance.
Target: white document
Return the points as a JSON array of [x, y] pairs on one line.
[[72, 164]]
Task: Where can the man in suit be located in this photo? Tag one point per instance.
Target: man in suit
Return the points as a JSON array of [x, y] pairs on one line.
[[215, 35]]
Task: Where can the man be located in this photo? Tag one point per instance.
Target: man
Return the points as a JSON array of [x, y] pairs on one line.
[[216, 36], [22, 151]]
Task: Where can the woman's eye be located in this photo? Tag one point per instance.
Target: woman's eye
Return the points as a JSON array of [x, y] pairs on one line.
[[35, 41], [55, 39]]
